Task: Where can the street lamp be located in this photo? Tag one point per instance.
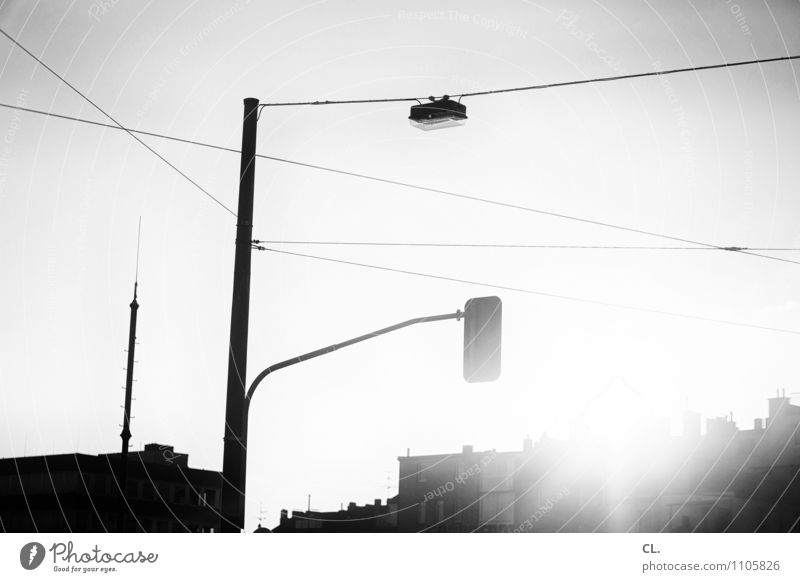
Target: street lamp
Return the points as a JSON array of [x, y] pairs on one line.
[[437, 114], [481, 329], [234, 458]]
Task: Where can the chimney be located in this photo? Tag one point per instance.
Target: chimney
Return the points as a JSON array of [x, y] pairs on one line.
[[777, 404], [408, 452], [758, 424], [377, 503], [284, 516], [527, 443], [466, 450]]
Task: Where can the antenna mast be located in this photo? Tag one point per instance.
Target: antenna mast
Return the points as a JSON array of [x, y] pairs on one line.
[[126, 419]]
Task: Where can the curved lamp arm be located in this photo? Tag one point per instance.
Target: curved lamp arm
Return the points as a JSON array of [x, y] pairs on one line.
[[332, 348]]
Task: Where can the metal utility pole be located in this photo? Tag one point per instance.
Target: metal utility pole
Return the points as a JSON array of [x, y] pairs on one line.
[[234, 460]]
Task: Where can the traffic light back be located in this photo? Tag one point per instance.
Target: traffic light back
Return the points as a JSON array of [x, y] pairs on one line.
[[483, 319]]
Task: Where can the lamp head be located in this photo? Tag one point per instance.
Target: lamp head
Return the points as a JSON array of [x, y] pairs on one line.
[[437, 114]]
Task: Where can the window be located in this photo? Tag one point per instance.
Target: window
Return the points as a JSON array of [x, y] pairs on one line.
[[497, 508], [459, 511], [132, 488], [497, 476], [421, 476], [11, 485], [65, 481], [33, 483], [163, 491], [440, 511], [180, 494], [421, 513], [148, 491], [206, 497]]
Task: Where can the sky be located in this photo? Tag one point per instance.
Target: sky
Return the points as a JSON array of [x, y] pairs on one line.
[[709, 156]]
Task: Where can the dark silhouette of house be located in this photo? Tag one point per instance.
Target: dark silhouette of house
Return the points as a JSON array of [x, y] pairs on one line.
[[377, 517], [640, 479], [81, 493], [486, 491]]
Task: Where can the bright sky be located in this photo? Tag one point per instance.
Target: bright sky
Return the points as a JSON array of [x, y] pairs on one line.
[[710, 156]]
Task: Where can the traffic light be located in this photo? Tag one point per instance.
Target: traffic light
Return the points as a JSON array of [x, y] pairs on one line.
[[483, 319]]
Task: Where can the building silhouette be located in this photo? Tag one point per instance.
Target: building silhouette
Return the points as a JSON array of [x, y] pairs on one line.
[[640, 479], [377, 517], [81, 493]]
